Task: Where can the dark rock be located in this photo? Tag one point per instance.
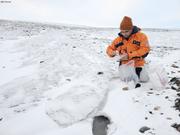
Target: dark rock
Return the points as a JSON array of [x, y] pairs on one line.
[[177, 104], [144, 129], [41, 61], [138, 85], [174, 66], [68, 80], [176, 126], [172, 87], [100, 73], [166, 97], [175, 82], [150, 92], [150, 112], [1, 119], [125, 88], [100, 125], [157, 108]]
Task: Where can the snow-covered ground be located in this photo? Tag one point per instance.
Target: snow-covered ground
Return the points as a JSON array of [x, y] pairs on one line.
[[55, 78]]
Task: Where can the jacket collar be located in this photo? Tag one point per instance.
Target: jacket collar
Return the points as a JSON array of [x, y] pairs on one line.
[[134, 31]]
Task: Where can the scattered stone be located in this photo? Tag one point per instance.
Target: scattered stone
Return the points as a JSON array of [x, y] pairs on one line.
[[151, 88], [125, 88], [20, 110], [176, 126], [138, 85], [175, 88], [150, 112], [1, 119], [150, 92], [178, 94], [166, 97], [74, 46], [144, 129], [100, 73], [174, 66], [100, 125], [68, 80], [177, 104], [157, 108], [168, 118], [12, 106], [175, 82], [162, 113], [146, 118], [172, 72], [41, 61]]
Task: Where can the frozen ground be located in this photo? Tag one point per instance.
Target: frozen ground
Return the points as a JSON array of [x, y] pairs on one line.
[[55, 78]]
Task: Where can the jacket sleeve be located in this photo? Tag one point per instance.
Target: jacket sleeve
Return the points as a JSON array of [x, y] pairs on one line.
[[143, 50], [111, 48]]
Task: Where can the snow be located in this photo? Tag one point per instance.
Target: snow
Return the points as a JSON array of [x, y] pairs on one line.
[[55, 78]]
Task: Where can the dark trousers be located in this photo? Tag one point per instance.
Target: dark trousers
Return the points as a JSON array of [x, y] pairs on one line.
[[138, 71]]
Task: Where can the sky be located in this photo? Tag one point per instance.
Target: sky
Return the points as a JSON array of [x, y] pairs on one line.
[[98, 13]]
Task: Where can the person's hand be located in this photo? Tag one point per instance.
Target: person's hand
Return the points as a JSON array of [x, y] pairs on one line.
[[124, 56], [113, 53]]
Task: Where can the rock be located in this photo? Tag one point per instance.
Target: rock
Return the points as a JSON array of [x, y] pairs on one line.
[[177, 104], [68, 80], [157, 108], [174, 66], [144, 129], [1, 119], [169, 118], [100, 73], [150, 112], [150, 92], [100, 125], [176, 126], [175, 82], [41, 61], [125, 88]]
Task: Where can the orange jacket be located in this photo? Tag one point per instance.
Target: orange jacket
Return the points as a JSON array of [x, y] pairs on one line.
[[136, 47]]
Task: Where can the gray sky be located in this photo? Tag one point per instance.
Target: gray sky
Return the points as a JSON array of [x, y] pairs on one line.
[[100, 13]]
